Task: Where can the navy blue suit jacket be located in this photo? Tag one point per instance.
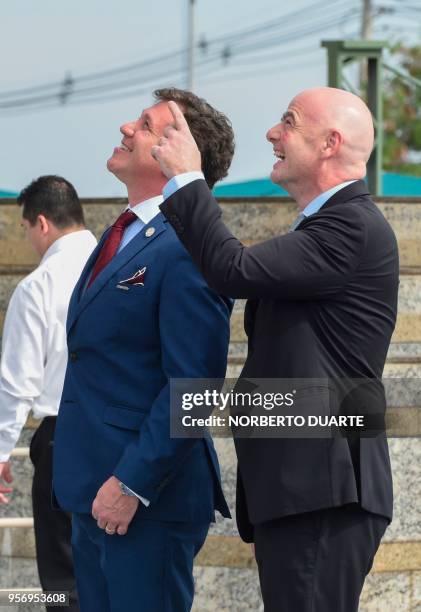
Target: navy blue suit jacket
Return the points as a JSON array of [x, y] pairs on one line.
[[124, 347]]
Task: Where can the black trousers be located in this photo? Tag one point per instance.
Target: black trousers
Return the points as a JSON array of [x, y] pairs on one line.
[[317, 561], [53, 528]]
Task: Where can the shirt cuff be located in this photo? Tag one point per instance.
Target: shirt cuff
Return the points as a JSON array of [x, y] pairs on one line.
[[179, 181], [144, 501]]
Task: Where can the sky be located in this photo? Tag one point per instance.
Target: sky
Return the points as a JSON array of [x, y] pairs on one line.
[[43, 40]]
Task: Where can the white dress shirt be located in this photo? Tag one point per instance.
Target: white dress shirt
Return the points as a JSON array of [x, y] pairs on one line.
[[34, 348], [145, 212]]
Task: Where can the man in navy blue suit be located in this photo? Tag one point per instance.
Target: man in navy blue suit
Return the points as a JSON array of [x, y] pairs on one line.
[[141, 314]]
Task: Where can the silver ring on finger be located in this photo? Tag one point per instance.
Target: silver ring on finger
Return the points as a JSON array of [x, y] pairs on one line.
[[109, 531]]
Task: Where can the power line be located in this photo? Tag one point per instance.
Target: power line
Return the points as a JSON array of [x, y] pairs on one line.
[[258, 73], [73, 93], [99, 75], [174, 54], [258, 59]]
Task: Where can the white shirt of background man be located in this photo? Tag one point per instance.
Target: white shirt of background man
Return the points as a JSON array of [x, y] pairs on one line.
[[34, 347]]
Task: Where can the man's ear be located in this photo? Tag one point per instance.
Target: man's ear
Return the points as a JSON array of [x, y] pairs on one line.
[[44, 224], [332, 143]]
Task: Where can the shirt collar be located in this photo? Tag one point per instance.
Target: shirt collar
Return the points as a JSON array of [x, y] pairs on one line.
[[316, 204], [63, 241], [148, 209]]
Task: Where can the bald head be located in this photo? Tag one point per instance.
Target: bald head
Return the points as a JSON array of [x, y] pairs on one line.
[[324, 138], [338, 110]]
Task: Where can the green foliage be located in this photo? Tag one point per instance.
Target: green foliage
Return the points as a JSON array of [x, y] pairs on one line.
[[402, 111]]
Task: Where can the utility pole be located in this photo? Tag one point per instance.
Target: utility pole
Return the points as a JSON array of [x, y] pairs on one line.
[[367, 22], [191, 45], [366, 34]]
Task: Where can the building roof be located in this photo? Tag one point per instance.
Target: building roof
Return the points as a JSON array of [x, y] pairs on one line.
[[393, 185], [7, 194]]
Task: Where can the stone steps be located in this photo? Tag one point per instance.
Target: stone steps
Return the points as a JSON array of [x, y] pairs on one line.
[[219, 550], [405, 453], [408, 326], [251, 220], [225, 572], [394, 581]]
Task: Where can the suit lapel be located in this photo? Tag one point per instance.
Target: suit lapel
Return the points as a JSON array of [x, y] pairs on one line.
[[354, 190], [137, 244], [77, 292], [357, 189]]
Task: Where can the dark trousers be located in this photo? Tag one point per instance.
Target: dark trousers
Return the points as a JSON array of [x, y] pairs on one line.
[[150, 569], [317, 561], [53, 528]]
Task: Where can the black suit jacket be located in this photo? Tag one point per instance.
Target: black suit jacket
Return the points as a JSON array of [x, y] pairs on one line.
[[322, 302]]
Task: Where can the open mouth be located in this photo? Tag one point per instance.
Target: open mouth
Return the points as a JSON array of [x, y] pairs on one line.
[[279, 155], [124, 147]]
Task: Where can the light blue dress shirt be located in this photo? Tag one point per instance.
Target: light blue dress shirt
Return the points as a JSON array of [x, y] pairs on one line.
[[316, 204], [178, 181]]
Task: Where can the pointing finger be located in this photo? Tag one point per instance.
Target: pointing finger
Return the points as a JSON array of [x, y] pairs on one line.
[[169, 129], [155, 152], [179, 119]]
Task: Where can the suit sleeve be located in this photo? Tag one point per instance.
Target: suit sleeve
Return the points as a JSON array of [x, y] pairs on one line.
[[194, 331], [313, 263]]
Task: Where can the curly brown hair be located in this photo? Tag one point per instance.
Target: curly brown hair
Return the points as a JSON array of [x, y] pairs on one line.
[[211, 130]]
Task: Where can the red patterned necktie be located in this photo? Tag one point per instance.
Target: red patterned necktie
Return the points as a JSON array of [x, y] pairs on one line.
[[111, 244]]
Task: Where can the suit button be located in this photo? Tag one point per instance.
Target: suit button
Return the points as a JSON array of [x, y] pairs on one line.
[[73, 357]]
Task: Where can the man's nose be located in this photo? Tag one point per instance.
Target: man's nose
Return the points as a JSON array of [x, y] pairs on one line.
[[127, 129], [273, 133]]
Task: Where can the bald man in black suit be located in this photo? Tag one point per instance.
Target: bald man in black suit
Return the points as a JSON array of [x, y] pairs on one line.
[[322, 302]]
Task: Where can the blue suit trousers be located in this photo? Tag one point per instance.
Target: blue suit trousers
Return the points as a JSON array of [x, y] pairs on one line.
[[147, 570]]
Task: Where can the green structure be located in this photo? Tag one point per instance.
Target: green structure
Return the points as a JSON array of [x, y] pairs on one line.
[[341, 52]]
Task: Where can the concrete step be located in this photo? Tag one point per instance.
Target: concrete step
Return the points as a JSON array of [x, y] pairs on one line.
[[399, 353], [228, 589], [405, 453], [408, 326], [219, 550], [225, 574], [226, 578], [250, 219]]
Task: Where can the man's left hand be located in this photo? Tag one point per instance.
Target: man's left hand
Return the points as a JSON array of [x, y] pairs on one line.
[[113, 510], [176, 151]]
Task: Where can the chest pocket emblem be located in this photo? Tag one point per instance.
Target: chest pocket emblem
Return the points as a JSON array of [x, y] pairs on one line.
[[138, 278]]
